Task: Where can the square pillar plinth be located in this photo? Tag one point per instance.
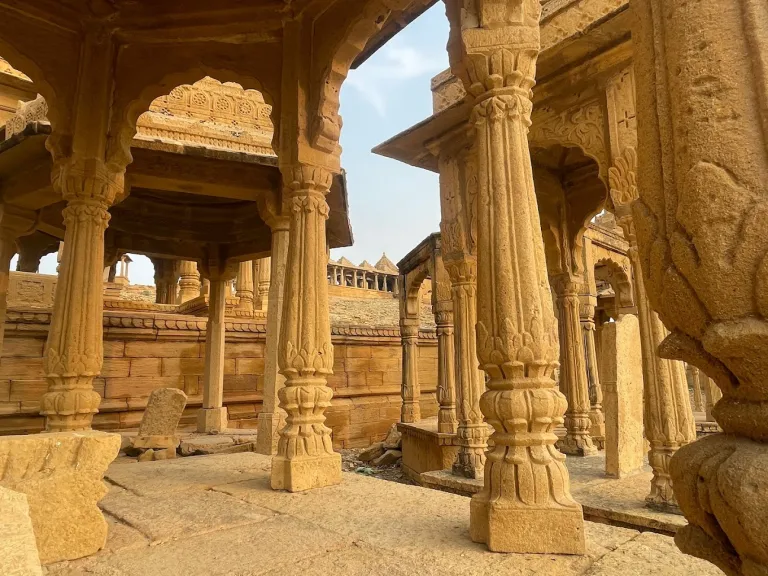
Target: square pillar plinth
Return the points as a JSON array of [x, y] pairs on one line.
[[306, 472], [212, 420], [528, 530]]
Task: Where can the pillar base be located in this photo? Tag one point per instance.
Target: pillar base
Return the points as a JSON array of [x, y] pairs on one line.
[[306, 472], [268, 428], [529, 530], [469, 465], [581, 445], [211, 420]]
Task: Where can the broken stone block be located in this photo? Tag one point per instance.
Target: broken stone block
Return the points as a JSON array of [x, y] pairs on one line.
[[61, 474], [157, 430], [394, 439], [372, 452], [389, 458], [18, 551]]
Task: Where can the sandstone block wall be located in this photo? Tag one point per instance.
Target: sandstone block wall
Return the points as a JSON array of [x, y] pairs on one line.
[[145, 351]]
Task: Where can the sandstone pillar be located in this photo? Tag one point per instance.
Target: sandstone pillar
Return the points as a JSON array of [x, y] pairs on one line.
[[596, 413], [305, 458], [189, 281], [446, 384], [212, 417], [205, 287], [245, 288], [472, 433], [622, 371], [14, 222], [74, 350], [525, 505], [262, 282], [669, 422], [411, 390], [703, 180], [272, 417], [573, 372]]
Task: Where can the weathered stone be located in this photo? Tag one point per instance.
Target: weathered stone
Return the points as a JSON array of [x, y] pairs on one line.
[[372, 452], [389, 458], [67, 522], [394, 439], [18, 552], [622, 378], [158, 424]]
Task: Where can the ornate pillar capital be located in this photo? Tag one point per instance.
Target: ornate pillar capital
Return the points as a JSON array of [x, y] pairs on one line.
[[88, 181]]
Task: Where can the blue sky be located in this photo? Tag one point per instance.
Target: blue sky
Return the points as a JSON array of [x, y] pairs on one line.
[[392, 206]]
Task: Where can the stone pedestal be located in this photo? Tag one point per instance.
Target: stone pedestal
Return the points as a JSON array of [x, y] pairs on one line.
[[157, 431], [61, 475], [425, 448], [622, 378]]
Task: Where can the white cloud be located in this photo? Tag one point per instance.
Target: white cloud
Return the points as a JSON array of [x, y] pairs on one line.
[[375, 80]]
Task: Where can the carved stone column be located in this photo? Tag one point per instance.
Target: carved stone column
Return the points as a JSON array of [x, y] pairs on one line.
[[698, 397], [262, 284], [189, 281], [669, 422], [573, 371], [272, 417], [305, 458], [205, 287], [596, 415], [525, 505], [14, 222], [472, 433], [212, 417], [245, 286], [74, 350], [703, 124], [411, 390], [446, 384]]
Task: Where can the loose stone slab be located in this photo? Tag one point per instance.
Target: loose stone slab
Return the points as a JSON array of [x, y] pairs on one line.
[[61, 474], [164, 517], [157, 431], [18, 551]]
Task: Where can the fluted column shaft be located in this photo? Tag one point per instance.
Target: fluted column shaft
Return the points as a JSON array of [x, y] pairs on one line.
[[262, 289], [244, 286], [272, 417], [74, 349], [472, 433], [305, 458], [189, 281], [573, 372], [411, 390], [526, 490], [446, 383]]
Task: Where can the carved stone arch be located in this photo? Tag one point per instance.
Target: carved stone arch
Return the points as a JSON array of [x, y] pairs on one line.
[[134, 92], [583, 126], [409, 295], [618, 276], [332, 64]]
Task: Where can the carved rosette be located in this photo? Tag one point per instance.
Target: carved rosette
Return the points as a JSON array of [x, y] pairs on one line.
[[411, 391], [305, 353], [573, 371], [669, 422], [493, 47], [74, 350]]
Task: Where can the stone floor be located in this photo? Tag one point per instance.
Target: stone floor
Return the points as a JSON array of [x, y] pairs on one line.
[[217, 516]]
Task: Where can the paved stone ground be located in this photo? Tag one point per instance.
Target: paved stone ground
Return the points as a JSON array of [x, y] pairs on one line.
[[216, 516]]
